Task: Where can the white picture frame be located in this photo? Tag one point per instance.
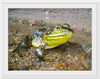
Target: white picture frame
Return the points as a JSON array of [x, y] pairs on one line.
[[45, 74]]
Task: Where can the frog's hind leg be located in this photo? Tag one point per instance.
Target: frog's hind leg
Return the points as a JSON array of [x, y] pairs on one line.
[[41, 52]]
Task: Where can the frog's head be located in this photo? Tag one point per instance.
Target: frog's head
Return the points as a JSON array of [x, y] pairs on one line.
[[60, 31]]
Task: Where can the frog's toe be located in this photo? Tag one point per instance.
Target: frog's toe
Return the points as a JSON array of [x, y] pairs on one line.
[[46, 57]]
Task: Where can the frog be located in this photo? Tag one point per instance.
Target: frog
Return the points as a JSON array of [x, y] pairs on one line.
[[47, 38], [51, 38]]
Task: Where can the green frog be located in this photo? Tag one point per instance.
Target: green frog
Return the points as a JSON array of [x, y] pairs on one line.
[[43, 39], [51, 38]]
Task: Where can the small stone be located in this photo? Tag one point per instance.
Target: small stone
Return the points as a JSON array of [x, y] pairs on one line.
[[81, 68], [88, 34], [26, 64], [89, 57], [20, 21], [79, 45], [32, 22], [64, 64], [19, 65], [33, 60], [58, 65], [30, 64], [69, 56], [47, 63], [79, 49], [17, 59], [82, 57], [42, 63], [29, 56], [28, 59], [76, 57], [32, 48], [27, 52], [61, 67], [72, 69]]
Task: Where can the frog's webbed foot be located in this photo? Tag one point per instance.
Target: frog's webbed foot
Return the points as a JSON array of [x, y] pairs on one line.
[[46, 57], [41, 52]]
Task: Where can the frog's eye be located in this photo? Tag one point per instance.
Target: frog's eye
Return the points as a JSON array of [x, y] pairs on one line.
[[57, 28]]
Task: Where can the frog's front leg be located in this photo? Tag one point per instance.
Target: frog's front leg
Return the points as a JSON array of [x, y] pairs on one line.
[[41, 52]]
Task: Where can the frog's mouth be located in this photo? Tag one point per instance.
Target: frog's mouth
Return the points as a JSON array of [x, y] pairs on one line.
[[61, 34]]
